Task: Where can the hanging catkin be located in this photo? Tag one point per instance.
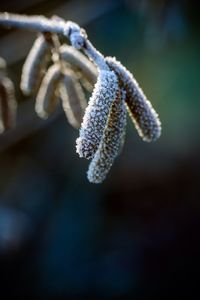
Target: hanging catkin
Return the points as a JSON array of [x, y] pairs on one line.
[[79, 63], [140, 109], [47, 97], [35, 65], [73, 99], [8, 104]]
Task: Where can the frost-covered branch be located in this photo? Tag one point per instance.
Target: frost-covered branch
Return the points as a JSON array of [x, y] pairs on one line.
[[72, 31], [38, 23], [54, 71]]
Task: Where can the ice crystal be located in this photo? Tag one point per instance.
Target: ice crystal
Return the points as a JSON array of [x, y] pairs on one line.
[[140, 109], [96, 114], [111, 141]]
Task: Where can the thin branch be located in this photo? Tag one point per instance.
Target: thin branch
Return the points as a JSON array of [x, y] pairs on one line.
[[37, 23], [68, 29]]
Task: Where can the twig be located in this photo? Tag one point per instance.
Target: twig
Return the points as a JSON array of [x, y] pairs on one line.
[[76, 35]]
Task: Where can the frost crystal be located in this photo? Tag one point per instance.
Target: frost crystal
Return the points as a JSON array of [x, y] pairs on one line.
[[140, 109], [96, 114], [111, 141], [47, 98], [35, 65], [73, 99]]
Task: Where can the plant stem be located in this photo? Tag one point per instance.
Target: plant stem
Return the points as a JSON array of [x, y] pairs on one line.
[[35, 23], [70, 30]]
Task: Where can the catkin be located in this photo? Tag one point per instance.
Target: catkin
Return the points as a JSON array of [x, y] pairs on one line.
[[35, 65], [79, 62], [111, 141], [96, 114], [73, 99], [47, 97], [8, 104], [2, 64], [140, 109]]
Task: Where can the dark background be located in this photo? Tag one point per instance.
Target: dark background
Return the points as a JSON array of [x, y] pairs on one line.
[[136, 236]]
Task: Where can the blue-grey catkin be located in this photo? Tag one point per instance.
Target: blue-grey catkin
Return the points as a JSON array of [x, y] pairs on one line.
[[111, 141], [96, 114], [73, 98], [47, 97], [8, 104], [35, 65], [140, 109]]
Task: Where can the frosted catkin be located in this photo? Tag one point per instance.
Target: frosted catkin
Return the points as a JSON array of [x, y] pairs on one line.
[[111, 142], [96, 114], [35, 65], [8, 105], [140, 109], [47, 97], [73, 99]]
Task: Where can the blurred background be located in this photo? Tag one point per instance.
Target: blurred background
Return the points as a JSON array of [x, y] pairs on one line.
[[136, 236]]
